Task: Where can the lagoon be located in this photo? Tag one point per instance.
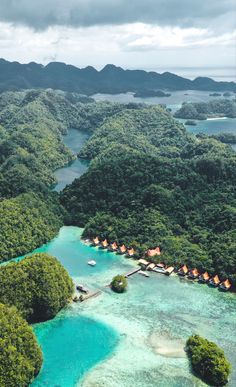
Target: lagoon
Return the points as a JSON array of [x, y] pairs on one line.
[[133, 338]]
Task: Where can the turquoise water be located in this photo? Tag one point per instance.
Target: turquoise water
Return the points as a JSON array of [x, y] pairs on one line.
[[71, 345], [227, 125], [136, 338], [75, 139]]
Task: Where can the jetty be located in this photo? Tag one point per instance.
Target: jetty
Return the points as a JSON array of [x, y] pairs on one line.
[[132, 272], [90, 295]]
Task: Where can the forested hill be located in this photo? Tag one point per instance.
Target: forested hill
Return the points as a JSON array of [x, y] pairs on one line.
[[31, 149], [111, 79], [151, 183]]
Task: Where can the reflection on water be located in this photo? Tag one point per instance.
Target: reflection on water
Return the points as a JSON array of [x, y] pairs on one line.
[[75, 139]]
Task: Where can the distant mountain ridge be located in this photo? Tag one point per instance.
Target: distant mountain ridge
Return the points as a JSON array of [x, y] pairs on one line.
[[111, 79]]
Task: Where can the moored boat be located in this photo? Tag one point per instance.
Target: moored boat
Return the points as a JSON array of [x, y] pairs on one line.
[[82, 288], [92, 262], [225, 285], [160, 270], [144, 273]]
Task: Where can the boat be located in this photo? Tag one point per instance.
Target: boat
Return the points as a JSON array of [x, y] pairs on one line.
[[92, 263], [204, 278], [183, 270], [214, 281], [143, 273], [169, 270], [160, 270], [225, 285], [193, 274], [82, 288]]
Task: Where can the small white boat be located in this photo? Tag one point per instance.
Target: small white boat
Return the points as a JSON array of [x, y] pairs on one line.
[[160, 270], [141, 272], [92, 263]]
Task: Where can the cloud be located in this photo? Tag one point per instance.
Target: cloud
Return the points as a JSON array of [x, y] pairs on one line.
[[41, 14]]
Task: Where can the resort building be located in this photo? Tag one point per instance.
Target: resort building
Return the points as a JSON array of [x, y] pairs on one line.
[[130, 252], [183, 270], [204, 277], [225, 285], [193, 274], [96, 241], [122, 249], [113, 246], [214, 281], [169, 270], [151, 266], [104, 244], [153, 252], [143, 263]]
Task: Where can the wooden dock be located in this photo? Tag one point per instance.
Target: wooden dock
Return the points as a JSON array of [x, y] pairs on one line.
[[127, 275], [90, 295]]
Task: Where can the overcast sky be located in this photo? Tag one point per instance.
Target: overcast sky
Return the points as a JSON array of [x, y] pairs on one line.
[[130, 33]]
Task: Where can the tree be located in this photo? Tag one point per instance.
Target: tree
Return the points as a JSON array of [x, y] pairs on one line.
[[119, 284], [208, 361], [20, 354], [39, 286]]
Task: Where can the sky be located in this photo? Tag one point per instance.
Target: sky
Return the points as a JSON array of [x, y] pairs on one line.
[[148, 34]]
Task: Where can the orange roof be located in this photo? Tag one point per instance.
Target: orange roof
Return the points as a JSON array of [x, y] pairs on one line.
[[194, 271], [96, 240], [184, 269], [122, 248], [152, 252], [226, 284], [160, 264], [170, 269], [216, 279], [131, 251], [114, 245], [105, 243], [205, 276]]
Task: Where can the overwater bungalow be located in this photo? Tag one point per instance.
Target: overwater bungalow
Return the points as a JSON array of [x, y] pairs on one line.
[[214, 281], [121, 249], [104, 244], [183, 270], [130, 252], [161, 265], [169, 270], [204, 277], [151, 266], [143, 263], [153, 252], [193, 274], [225, 285], [113, 246], [96, 241]]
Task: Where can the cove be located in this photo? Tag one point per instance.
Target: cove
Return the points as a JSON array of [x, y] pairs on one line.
[[74, 140], [150, 324]]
